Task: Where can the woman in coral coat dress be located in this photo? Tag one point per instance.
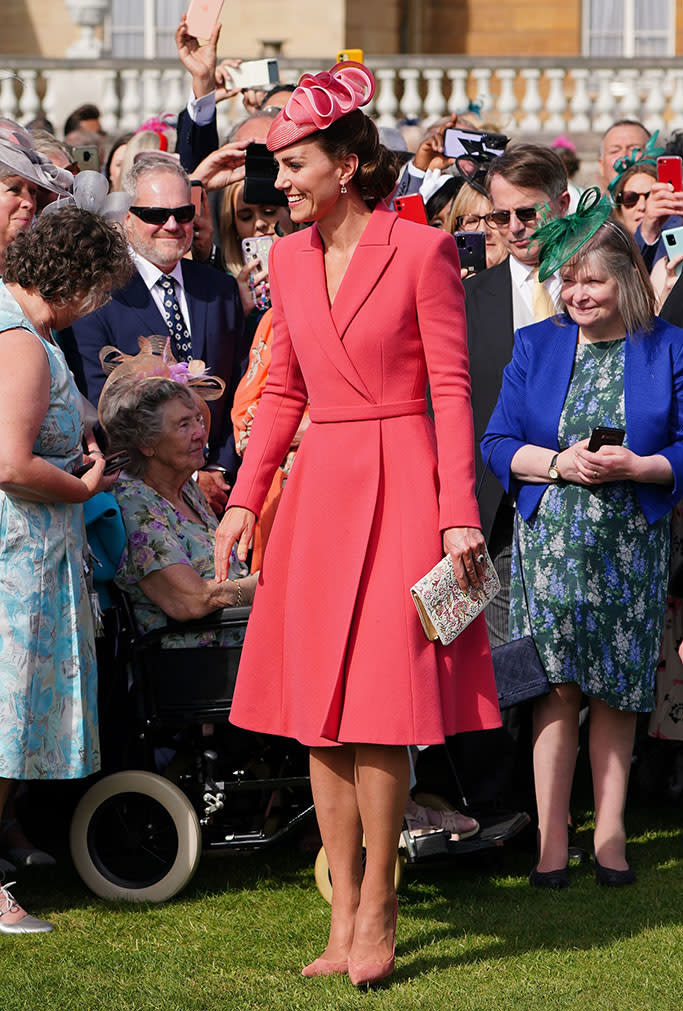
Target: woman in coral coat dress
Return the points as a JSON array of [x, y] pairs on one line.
[[367, 308]]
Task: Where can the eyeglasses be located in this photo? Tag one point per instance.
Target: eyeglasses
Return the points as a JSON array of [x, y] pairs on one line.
[[500, 219], [629, 198], [160, 215], [469, 222]]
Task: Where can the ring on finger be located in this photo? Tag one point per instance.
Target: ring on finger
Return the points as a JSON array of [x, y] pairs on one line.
[[479, 559], [595, 473]]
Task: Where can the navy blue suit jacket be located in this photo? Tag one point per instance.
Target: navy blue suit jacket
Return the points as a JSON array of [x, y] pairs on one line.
[[218, 337], [535, 386]]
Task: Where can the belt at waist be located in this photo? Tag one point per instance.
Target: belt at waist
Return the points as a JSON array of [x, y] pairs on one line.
[[366, 412]]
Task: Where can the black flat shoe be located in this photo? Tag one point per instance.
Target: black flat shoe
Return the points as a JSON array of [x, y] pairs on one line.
[[608, 875], [550, 879]]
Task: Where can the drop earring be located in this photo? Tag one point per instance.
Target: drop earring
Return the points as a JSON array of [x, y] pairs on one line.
[[343, 188]]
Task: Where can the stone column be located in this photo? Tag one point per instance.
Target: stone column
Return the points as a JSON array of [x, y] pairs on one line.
[[88, 15]]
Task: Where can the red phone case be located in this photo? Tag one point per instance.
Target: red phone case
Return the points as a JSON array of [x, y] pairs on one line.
[[670, 170], [412, 208]]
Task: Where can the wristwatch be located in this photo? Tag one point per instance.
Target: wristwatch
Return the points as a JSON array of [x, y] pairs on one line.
[[553, 472]]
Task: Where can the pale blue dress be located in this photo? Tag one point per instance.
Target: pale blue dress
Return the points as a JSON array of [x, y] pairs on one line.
[[48, 674]]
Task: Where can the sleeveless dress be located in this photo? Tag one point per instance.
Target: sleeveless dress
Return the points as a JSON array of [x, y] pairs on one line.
[[48, 673], [595, 569]]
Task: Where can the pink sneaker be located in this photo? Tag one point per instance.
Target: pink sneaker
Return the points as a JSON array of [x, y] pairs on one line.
[[15, 920]]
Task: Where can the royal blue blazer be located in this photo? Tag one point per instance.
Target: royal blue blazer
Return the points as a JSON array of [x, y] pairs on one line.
[[534, 389]]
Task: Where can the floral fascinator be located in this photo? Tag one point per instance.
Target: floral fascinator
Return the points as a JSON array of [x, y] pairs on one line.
[[18, 156], [647, 155], [562, 238], [91, 193], [155, 360], [319, 100]]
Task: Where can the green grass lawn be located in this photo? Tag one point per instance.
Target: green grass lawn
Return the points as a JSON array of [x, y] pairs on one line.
[[472, 936]]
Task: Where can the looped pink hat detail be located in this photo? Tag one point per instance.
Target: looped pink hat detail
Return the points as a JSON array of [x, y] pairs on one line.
[[320, 100]]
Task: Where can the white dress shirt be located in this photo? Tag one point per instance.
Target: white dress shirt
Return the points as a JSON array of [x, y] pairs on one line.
[[150, 274]]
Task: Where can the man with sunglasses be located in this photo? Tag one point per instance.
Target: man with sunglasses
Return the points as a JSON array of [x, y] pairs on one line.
[[196, 306], [525, 184]]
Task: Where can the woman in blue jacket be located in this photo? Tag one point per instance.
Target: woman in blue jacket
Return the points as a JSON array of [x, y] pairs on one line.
[[590, 571]]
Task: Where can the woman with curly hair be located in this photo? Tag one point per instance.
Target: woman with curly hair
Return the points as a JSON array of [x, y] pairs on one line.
[[65, 266]]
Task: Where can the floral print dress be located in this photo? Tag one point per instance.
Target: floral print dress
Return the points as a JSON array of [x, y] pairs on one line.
[[48, 673], [595, 570], [158, 535]]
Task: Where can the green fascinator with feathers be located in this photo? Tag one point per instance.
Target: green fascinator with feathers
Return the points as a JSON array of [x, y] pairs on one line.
[[647, 155], [562, 238]]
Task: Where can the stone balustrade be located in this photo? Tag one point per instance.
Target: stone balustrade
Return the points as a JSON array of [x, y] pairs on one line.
[[518, 96]]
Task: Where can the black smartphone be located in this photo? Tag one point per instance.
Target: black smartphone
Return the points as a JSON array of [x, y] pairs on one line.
[[471, 250], [260, 173], [111, 464], [606, 437]]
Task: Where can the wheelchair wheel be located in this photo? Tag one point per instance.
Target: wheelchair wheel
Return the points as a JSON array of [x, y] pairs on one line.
[[323, 878], [135, 836]]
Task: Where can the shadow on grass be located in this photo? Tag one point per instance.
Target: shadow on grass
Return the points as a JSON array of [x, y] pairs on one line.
[[511, 918], [454, 914]]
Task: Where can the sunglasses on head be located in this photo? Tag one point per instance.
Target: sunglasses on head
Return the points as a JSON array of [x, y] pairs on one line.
[[499, 219], [160, 215], [629, 198]]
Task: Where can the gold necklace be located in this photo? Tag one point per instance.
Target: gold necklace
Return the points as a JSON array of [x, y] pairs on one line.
[[613, 344]]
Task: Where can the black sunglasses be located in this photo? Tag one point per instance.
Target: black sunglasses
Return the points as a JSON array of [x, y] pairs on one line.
[[160, 215], [499, 219], [629, 198]]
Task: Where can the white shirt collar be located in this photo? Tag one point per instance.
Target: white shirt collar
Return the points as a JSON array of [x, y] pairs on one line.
[[522, 272], [150, 273]]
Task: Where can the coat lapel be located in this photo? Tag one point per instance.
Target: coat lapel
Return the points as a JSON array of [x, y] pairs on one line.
[[195, 296], [136, 296], [311, 273], [559, 354], [369, 261]]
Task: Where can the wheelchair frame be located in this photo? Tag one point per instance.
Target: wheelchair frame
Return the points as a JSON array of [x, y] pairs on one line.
[[138, 835]]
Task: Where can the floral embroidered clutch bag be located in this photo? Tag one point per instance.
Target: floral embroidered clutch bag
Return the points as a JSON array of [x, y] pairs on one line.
[[444, 609]]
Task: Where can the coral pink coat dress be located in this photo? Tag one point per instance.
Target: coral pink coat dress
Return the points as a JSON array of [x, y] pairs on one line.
[[334, 650]]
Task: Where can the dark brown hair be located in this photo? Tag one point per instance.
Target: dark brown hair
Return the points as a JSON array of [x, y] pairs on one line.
[[530, 166], [378, 167], [644, 168], [69, 253]]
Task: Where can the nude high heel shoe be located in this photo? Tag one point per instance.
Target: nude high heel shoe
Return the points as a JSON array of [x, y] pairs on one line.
[[325, 967], [367, 973]]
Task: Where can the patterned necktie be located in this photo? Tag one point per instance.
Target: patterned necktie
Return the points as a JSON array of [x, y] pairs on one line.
[[541, 300], [181, 343]]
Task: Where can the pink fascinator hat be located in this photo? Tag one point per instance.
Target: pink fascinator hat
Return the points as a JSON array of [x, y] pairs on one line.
[[320, 100]]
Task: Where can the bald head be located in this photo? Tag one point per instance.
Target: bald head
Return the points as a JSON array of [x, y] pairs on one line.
[[618, 142]]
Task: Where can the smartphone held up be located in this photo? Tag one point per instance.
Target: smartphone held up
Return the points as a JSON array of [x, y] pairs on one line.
[[202, 16], [255, 251]]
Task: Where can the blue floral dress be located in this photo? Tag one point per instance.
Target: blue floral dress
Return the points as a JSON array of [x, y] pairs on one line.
[[595, 570], [48, 674]]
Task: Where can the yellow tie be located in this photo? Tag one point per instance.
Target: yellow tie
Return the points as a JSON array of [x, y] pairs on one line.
[[541, 301]]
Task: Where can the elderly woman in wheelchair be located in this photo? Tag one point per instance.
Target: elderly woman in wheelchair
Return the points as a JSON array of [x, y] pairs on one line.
[[136, 834], [167, 565]]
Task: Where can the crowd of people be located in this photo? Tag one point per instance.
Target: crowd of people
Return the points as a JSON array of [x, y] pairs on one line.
[[314, 429]]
